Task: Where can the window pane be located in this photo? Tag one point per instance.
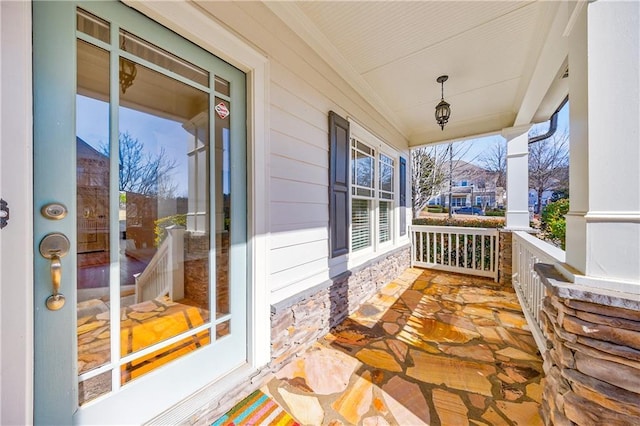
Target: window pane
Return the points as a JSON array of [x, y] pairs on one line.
[[360, 224], [364, 170], [145, 50], [92, 218], [385, 221], [92, 25], [164, 218]]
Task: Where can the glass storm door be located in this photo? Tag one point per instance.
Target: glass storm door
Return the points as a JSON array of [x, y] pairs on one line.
[[140, 223]]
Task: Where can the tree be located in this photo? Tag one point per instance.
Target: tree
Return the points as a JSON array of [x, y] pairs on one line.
[[427, 176], [495, 160], [431, 168], [548, 165], [141, 173]]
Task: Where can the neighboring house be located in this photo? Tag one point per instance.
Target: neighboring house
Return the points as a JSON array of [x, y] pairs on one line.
[[533, 199], [291, 125], [472, 186]]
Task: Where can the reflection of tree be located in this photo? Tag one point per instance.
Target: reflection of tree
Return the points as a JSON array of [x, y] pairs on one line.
[[364, 170], [143, 174], [386, 174]]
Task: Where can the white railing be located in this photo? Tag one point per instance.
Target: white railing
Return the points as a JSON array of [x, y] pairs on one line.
[[527, 251], [472, 251], [164, 275], [93, 225]]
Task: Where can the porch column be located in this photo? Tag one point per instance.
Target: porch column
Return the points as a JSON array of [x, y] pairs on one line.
[[517, 177], [603, 227], [576, 245]]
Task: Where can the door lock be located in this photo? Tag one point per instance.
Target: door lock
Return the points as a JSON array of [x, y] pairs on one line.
[[54, 246]]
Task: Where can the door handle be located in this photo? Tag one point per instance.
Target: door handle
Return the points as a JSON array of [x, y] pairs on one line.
[[55, 246]]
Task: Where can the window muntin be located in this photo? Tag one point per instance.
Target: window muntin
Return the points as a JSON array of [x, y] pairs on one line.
[[362, 169], [373, 195]]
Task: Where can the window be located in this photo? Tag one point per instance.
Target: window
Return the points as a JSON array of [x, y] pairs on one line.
[[372, 196], [363, 200], [459, 201]]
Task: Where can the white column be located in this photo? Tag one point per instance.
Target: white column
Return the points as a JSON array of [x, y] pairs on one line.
[[517, 177], [576, 245], [603, 247]]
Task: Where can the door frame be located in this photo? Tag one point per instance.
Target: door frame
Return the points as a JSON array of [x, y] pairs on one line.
[[16, 161], [16, 187]]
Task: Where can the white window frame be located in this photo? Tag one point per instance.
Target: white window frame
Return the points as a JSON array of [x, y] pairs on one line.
[[376, 248]]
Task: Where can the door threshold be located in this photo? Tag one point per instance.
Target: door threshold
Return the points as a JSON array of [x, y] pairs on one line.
[[182, 412]]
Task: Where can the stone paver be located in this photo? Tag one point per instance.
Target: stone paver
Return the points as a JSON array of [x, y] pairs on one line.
[[431, 348]]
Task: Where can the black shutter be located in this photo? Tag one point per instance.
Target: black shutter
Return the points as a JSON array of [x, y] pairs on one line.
[[338, 185], [403, 196]]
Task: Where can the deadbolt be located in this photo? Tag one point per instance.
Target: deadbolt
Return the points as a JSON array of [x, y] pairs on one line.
[[54, 211]]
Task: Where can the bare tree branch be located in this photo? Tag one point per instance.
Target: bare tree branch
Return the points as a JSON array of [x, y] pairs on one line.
[[143, 174], [548, 162], [495, 160]]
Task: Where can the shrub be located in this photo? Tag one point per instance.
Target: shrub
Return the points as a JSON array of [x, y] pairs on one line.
[[434, 209], [494, 213], [471, 222], [554, 224], [163, 223]]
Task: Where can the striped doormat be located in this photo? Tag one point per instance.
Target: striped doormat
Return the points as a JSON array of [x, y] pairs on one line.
[[257, 409]]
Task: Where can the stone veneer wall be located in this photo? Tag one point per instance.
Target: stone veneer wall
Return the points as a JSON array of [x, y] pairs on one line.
[[505, 270], [593, 363], [298, 322]]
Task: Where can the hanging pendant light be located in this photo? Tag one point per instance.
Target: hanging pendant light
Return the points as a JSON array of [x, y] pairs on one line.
[[128, 70], [443, 110]]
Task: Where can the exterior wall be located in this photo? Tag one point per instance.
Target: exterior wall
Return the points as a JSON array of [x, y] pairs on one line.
[[303, 89], [592, 366], [301, 320]]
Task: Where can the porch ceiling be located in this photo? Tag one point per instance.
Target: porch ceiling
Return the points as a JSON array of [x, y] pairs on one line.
[[505, 60]]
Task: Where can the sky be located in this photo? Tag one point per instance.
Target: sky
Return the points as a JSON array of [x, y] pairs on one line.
[[477, 146]]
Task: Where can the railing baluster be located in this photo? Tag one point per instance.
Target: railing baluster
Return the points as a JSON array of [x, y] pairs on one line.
[[475, 249], [466, 250], [527, 251], [448, 248], [427, 244]]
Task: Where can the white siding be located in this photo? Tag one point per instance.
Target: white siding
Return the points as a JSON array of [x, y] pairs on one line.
[[303, 90]]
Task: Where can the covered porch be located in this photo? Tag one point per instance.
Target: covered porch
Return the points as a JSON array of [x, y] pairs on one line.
[[572, 356], [430, 348]]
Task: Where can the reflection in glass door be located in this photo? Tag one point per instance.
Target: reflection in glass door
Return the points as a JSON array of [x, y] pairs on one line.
[[154, 208]]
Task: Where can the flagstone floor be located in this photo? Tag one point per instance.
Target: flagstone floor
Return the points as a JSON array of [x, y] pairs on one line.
[[432, 348]]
